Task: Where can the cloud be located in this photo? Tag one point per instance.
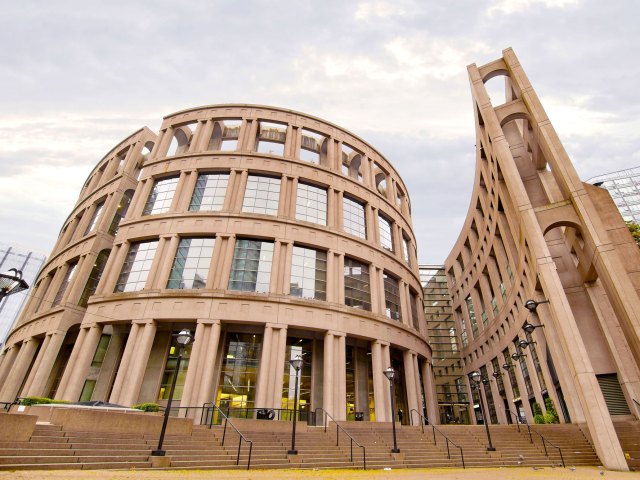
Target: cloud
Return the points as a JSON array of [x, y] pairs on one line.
[[378, 9], [509, 7]]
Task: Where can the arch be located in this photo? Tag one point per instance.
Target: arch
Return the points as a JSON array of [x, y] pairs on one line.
[[216, 137], [562, 223], [180, 142], [495, 73], [355, 164]]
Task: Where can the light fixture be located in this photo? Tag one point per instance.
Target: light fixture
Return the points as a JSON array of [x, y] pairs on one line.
[[11, 282], [496, 374], [517, 356], [183, 339], [529, 328], [532, 305], [524, 343], [476, 378], [390, 373], [507, 366], [296, 363]]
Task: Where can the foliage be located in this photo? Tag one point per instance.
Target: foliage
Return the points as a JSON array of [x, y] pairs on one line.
[[537, 413], [634, 229], [39, 401], [147, 407], [551, 416]]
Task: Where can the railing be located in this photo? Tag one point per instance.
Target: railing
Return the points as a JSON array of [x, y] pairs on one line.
[[6, 405], [637, 404], [277, 414], [338, 428], [544, 443], [211, 408], [424, 421], [517, 417]]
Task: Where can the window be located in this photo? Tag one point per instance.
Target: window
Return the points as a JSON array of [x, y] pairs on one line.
[[101, 351], [191, 263], [271, 138], [170, 370], [309, 273], [121, 211], [94, 277], [311, 204], [472, 316], [313, 147], [357, 290], [225, 135], [71, 269], [251, 267], [405, 250], [353, 215], [261, 195], [391, 297], [414, 310], [386, 237], [94, 218], [135, 270], [209, 192], [161, 196]]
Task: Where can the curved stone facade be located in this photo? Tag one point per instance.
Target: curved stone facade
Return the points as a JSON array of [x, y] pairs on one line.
[[267, 232], [534, 231]]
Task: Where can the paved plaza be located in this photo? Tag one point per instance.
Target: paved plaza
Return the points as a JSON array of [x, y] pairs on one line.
[[580, 473]]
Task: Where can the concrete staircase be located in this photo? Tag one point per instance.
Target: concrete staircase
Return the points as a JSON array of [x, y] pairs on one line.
[[53, 448], [628, 431]]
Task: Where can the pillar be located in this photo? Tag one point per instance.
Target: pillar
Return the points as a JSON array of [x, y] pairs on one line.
[[44, 363], [20, 369], [380, 361], [80, 367]]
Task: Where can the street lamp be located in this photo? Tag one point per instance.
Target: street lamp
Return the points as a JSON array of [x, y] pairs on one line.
[[390, 373], [532, 305], [476, 378], [11, 282], [184, 338], [296, 363]]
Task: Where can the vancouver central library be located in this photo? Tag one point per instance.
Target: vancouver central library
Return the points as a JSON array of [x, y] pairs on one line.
[[271, 234]]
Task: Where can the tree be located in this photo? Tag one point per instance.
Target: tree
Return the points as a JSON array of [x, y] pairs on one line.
[[634, 229]]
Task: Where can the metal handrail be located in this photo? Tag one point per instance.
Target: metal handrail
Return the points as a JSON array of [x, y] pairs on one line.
[[211, 405], [434, 430], [544, 443], [517, 417], [338, 428]]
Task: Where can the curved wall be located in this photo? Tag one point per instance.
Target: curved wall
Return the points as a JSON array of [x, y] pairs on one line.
[[262, 230]]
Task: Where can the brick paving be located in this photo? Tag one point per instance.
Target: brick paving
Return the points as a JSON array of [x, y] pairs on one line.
[[580, 473]]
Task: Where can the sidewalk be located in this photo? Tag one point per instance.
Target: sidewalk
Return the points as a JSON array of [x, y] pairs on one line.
[[580, 473]]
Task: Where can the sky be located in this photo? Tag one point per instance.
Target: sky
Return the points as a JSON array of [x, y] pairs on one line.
[[80, 76]]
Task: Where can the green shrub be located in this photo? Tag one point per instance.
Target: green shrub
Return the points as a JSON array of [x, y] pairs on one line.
[[536, 409], [551, 416], [147, 407], [39, 401], [538, 419]]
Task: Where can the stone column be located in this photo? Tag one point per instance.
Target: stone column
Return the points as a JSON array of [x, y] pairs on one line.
[[410, 380], [166, 251], [194, 372], [131, 387], [380, 360], [185, 190], [429, 385], [20, 369], [269, 386], [112, 269], [125, 362], [81, 366], [209, 356], [68, 371], [36, 365], [8, 360]]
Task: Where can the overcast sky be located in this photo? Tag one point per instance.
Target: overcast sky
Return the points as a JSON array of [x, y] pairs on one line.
[[79, 76]]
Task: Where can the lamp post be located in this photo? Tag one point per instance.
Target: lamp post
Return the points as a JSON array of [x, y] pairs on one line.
[[476, 378], [296, 363], [11, 282], [390, 373], [184, 338]]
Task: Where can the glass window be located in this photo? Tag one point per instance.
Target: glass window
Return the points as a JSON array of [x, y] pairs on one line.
[[94, 218], [121, 211], [170, 370], [71, 269], [209, 192], [357, 290], [101, 351], [472, 316], [353, 218], [161, 196], [386, 237], [271, 138], [309, 273], [261, 195], [251, 267], [304, 348], [311, 204], [239, 373], [392, 297], [191, 263], [311, 147], [405, 250], [414, 310], [136, 267], [94, 277]]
